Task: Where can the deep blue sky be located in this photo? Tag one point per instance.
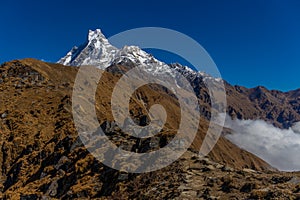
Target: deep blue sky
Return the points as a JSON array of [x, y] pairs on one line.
[[253, 42]]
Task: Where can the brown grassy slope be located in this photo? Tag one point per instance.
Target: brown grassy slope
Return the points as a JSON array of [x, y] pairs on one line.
[[39, 144]]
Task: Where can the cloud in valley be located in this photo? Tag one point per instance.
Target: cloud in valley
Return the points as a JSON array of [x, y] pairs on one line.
[[279, 147]]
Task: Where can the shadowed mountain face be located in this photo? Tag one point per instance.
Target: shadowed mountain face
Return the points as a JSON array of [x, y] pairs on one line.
[[42, 156], [276, 107]]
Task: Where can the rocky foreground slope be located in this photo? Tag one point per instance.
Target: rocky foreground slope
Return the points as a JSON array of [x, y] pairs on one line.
[[42, 157]]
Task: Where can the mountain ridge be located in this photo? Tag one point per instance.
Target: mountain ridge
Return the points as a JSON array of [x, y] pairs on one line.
[[42, 155], [282, 109]]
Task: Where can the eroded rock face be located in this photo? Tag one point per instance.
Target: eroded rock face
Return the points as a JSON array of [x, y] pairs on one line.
[[42, 157]]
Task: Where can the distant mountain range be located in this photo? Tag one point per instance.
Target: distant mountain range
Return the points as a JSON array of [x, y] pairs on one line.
[[279, 108]]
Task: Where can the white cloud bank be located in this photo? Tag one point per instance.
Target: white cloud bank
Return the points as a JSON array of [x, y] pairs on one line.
[[279, 147]]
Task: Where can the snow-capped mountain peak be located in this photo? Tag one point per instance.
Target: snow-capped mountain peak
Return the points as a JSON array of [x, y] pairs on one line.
[[99, 52], [96, 34], [96, 51]]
